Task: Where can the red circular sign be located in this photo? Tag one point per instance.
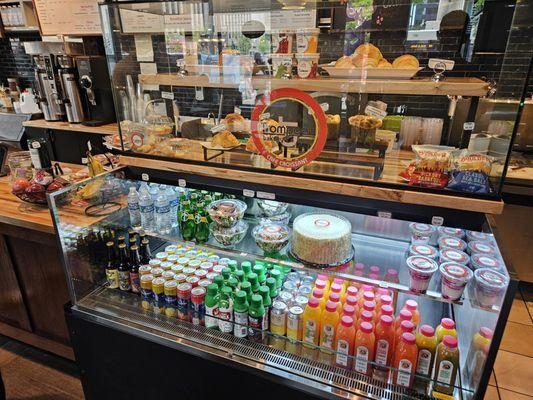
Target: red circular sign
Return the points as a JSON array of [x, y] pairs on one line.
[[321, 127]]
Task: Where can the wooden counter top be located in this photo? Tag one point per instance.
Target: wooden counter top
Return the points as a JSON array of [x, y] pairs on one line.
[[109, 129]]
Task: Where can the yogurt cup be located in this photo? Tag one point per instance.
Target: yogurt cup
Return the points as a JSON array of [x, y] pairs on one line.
[[423, 250], [452, 255], [421, 269], [454, 232], [421, 233], [474, 235], [450, 242], [282, 42], [281, 65], [307, 40], [478, 247], [489, 285], [478, 261], [455, 277], [307, 65]]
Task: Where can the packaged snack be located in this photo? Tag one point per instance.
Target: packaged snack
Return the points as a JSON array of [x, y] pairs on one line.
[[430, 169], [421, 233], [470, 172], [421, 269], [478, 247]]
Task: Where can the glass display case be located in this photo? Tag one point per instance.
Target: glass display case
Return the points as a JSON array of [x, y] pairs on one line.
[[307, 289], [420, 96]]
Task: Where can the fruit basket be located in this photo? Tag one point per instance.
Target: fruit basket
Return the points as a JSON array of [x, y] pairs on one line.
[[34, 190]]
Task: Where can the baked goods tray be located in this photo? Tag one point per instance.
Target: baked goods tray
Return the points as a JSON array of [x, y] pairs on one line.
[[370, 73], [324, 266]]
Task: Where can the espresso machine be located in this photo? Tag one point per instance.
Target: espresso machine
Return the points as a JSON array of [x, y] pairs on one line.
[[47, 92], [69, 89]]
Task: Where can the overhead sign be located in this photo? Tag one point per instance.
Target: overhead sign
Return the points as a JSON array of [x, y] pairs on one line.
[[68, 17]]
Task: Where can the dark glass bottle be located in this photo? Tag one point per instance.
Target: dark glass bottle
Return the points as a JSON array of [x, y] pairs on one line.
[[111, 267], [123, 269], [145, 253], [134, 264]]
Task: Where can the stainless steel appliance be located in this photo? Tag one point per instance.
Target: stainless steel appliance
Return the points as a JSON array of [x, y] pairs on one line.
[[47, 87], [69, 89]]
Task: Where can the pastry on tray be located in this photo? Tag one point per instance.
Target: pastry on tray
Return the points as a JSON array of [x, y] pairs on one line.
[[369, 50], [225, 139], [234, 122], [364, 61], [252, 148], [384, 64], [406, 61], [365, 121], [344, 62]]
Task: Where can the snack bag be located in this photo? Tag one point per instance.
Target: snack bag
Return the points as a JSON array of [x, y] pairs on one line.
[[431, 166], [470, 172]]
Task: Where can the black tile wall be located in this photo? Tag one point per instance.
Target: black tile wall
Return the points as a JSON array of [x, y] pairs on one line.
[[14, 62]]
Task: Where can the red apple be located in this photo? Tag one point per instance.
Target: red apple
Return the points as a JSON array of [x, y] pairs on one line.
[[20, 185]]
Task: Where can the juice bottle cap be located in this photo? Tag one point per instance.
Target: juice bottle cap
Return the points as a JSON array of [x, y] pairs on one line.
[[447, 323], [367, 316], [367, 288], [387, 309], [318, 293], [346, 321], [331, 306], [386, 299], [391, 272], [408, 338], [449, 341], [411, 305], [374, 276], [406, 315], [320, 284], [369, 306], [407, 326], [427, 330], [366, 327], [347, 309], [369, 296], [359, 267], [334, 297], [338, 281], [351, 300], [383, 291], [351, 291], [486, 332], [386, 320], [336, 288], [313, 302], [374, 269], [253, 278], [322, 277]]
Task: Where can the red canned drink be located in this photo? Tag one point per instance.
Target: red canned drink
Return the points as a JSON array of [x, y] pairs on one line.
[[211, 275], [198, 305], [204, 283], [184, 301], [193, 280], [208, 266]]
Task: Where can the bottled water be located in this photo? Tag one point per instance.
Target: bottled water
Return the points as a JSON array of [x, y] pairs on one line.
[[146, 207], [133, 208], [173, 199], [154, 191], [162, 214]]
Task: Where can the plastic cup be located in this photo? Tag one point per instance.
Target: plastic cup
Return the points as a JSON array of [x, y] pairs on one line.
[[450, 242], [421, 269], [281, 65], [454, 232], [307, 40], [474, 235], [307, 65], [479, 247], [478, 261], [421, 233], [489, 285], [451, 255], [282, 42], [455, 277], [423, 250]]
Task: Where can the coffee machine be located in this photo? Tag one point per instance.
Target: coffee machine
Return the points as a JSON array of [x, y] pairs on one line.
[[47, 89], [96, 88], [71, 98]]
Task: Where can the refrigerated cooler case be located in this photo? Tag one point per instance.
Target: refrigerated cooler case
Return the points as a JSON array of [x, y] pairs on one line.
[[126, 347]]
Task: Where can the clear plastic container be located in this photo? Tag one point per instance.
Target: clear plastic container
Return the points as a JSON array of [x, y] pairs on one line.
[[452, 255], [281, 65], [449, 242], [478, 261], [272, 207], [423, 250], [474, 235], [226, 212], [454, 232], [455, 277], [489, 285], [479, 247], [282, 219], [229, 236], [421, 269], [282, 42], [421, 233], [271, 238]]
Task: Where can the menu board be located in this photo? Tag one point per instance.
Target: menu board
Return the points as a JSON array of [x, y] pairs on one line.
[[68, 17]]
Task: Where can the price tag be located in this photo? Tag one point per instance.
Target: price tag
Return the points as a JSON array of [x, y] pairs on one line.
[[324, 106], [182, 183], [375, 112], [440, 62], [145, 177], [385, 214], [436, 220], [167, 95], [248, 193], [266, 195], [89, 145], [84, 160], [36, 145], [219, 128], [237, 110], [469, 126]]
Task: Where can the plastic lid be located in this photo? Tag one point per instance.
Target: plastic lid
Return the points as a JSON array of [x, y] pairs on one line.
[[240, 297], [449, 341], [421, 264], [335, 297], [347, 321], [212, 289], [392, 272], [348, 309], [369, 306], [313, 302], [226, 290], [366, 315], [422, 229], [318, 293], [366, 327], [338, 281], [257, 300], [485, 261], [331, 306], [455, 272], [490, 278], [387, 309], [367, 288], [351, 300], [486, 332], [246, 285], [264, 291], [351, 291], [423, 250], [258, 269], [359, 266], [320, 284], [386, 299], [408, 337], [411, 305], [375, 269], [447, 323], [427, 330], [369, 296], [454, 255], [336, 288], [450, 231], [406, 315], [407, 326], [322, 277], [452, 242], [480, 247], [386, 320]]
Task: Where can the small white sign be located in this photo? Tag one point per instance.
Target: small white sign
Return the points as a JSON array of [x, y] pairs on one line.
[[469, 126], [145, 177], [266, 195], [182, 183], [375, 112], [325, 107], [440, 62], [89, 145], [385, 214], [167, 95], [84, 160], [436, 220], [248, 193], [237, 110]]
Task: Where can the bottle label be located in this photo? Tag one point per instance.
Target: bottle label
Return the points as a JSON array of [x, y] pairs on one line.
[[326, 339], [310, 332], [211, 314], [162, 209], [35, 159], [133, 206], [198, 313], [254, 327], [174, 203], [361, 364], [277, 320], [266, 320], [301, 43], [424, 362], [124, 280], [225, 315], [241, 324], [147, 209], [135, 282], [404, 373], [183, 305], [343, 349], [112, 278], [445, 373], [158, 301], [382, 352]]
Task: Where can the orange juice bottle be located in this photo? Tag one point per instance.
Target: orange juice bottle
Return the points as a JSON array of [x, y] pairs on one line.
[[336, 288], [405, 315], [412, 306], [367, 296], [340, 281], [405, 327], [385, 300], [379, 294], [446, 327], [336, 298], [367, 288], [384, 340], [365, 316], [371, 306], [311, 322], [387, 310], [319, 295], [351, 291], [348, 310], [364, 348], [328, 326], [426, 342], [325, 278], [405, 361], [344, 342], [351, 300]]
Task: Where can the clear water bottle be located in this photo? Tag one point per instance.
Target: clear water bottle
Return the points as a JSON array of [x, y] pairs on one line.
[[173, 199], [146, 207], [134, 209], [162, 214], [154, 191]]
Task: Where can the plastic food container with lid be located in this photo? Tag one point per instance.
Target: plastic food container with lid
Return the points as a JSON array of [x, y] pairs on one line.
[[307, 65], [271, 207], [307, 40], [226, 212], [474, 235], [421, 269], [452, 255], [489, 285], [421, 233], [423, 250], [271, 238], [454, 232], [479, 247], [282, 219], [478, 261], [455, 277], [450, 242], [229, 236]]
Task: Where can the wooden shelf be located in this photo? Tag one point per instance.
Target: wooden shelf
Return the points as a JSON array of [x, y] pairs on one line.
[[109, 129], [424, 86]]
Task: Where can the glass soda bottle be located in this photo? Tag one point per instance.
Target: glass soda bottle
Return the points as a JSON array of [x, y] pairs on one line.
[[111, 270]]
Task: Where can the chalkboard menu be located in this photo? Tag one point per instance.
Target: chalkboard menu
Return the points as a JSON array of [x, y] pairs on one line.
[[68, 17]]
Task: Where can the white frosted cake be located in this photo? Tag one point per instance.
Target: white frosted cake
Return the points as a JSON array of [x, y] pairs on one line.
[[322, 238]]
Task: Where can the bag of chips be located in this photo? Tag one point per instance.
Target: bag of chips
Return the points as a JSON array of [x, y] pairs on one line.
[[470, 172], [431, 166]]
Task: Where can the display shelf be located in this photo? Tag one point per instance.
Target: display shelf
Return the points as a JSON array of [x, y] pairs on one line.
[[418, 86]]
